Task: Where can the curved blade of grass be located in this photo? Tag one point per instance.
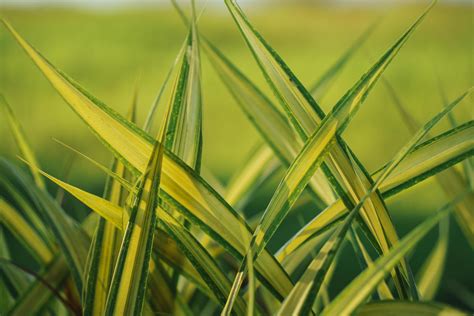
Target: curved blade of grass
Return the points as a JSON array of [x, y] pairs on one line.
[[429, 276], [103, 252], [299, 105], [431, 157], [201, 259], [106, 241], [54, 273], [22, 142], [267, 119], [179, 184], [24, 232], [8, 187], [129, 280], [317, 145], [71, 239], [450, 181], [407, 308], [450, 147], [357, 291], [306, 290]]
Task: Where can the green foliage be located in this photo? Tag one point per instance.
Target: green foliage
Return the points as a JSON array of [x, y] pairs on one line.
[[162, 239]]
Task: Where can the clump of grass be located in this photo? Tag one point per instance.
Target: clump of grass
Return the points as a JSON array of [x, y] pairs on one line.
[[162, 239]]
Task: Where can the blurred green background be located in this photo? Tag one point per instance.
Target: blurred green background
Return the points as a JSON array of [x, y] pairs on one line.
[[112, 51]]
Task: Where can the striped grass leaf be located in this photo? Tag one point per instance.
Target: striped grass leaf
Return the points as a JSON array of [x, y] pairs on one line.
[[129, 280], [201, 260], [429, 276], [407, 308], [55, 273], [430, 158], [25, 234], [357, 291], [71, 239], [24, 206], [22, 142], [451, 147], [450, 181], [103, 252], [147, 126], [266, 118], [306, 290], [180, 183], [184, 131], [297, 101], [105, 244], [198, 256], [310, 157]]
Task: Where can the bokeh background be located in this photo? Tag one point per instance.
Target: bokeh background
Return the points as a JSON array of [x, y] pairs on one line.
[[113, 47]]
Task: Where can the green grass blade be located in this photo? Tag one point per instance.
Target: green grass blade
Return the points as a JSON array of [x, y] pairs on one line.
[[154, 107], [306, 290], [429, 276], [71, 239], [431, 157], [106, 241], [25, 234], [356, 292], [184, 131], [310, 157], [133, 147], [22, 142], [201, 260], [450, 181], [304, 115], [450, 147], [129, 281], [103, 253], [266, 118]]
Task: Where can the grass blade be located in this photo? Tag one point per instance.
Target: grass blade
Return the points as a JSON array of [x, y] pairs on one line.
[[184, 131], [354, 294], [429, 276], [106, 241], [129, 281], [450, 181], [305, 291], [24, 232], [22, 142], [133, 148], [418, 165], [317, 145]]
